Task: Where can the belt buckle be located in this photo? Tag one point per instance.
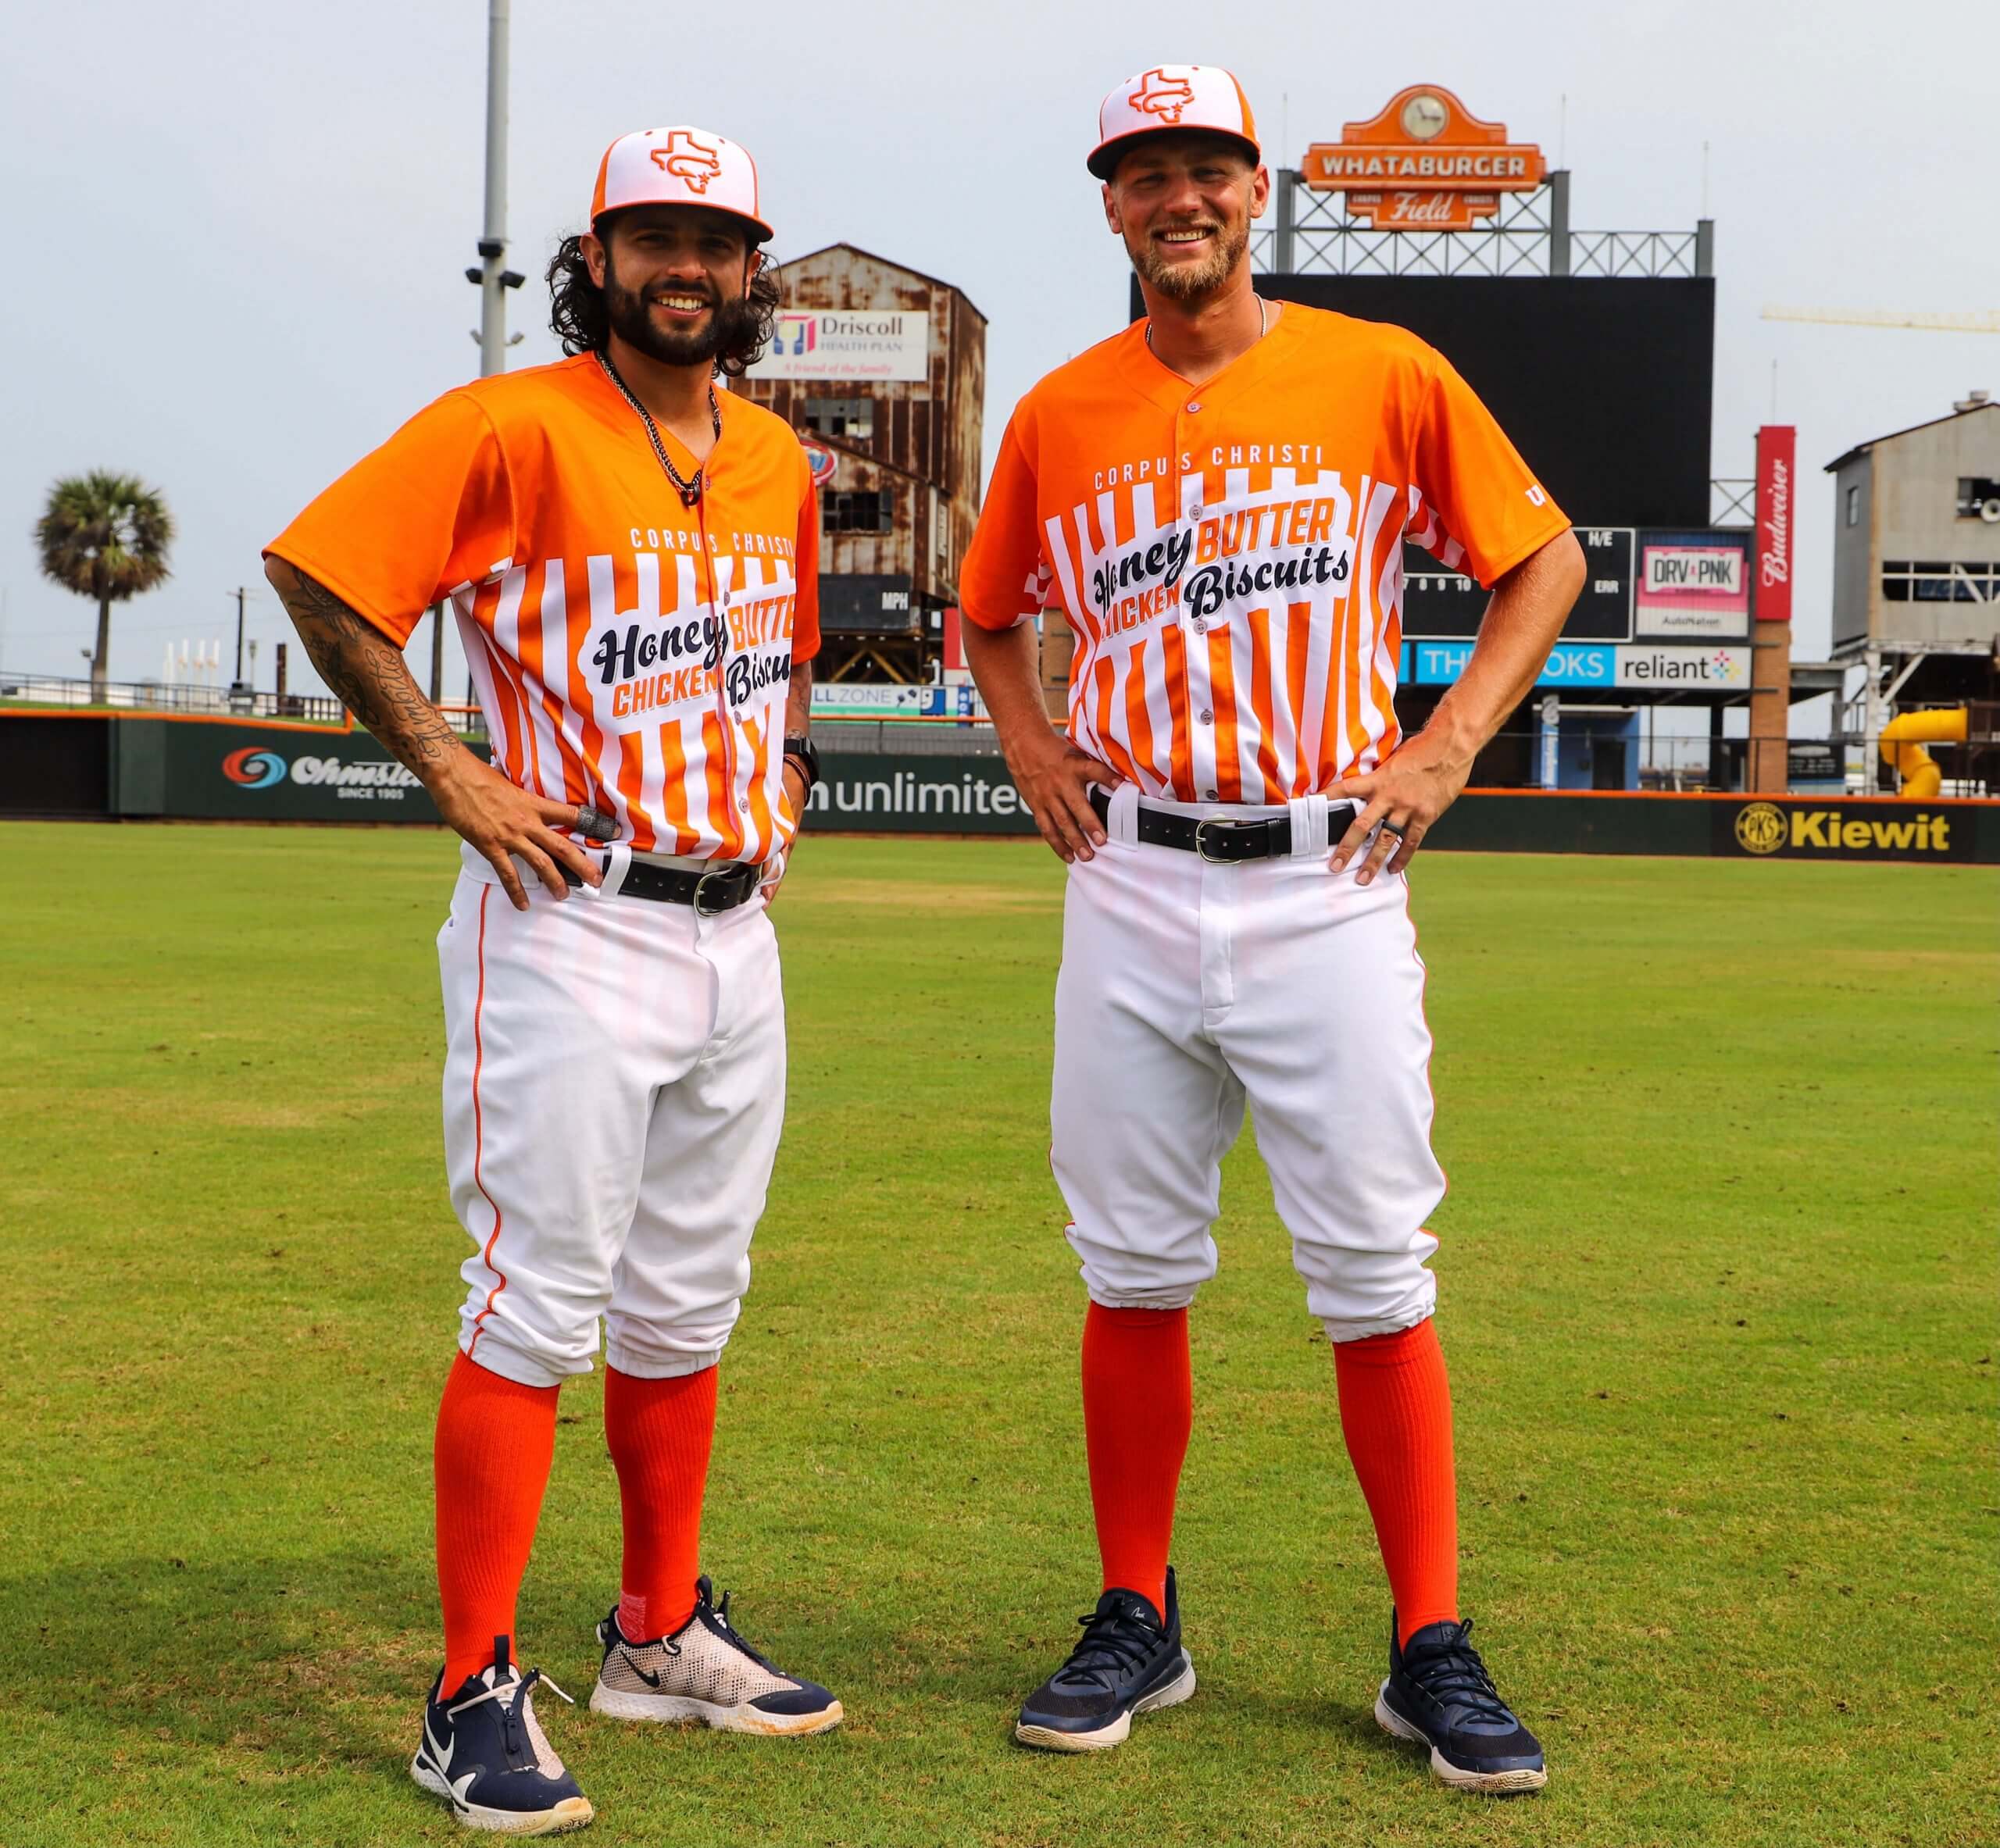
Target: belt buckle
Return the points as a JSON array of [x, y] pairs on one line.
[[1226, 826], [701, 886]]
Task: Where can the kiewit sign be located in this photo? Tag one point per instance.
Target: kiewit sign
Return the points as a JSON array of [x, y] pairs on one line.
[[1427, 163], [886, 345]]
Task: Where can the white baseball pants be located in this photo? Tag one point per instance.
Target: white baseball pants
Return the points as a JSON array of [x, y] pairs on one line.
[[614, 1084], [1187, 988]]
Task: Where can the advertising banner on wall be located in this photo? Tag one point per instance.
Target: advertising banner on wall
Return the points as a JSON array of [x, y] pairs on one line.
[[916, 795], [1582, 664], [272, 773], [1693, 586], [890, 345], [1777, 445]]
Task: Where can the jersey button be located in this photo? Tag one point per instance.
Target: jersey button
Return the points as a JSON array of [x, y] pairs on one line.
[[1208, 795], [1200, 628], [743, 803], [1209, 718], [1195, 407]]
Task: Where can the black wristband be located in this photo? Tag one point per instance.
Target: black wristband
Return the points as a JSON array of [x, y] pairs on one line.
[[802, 751]]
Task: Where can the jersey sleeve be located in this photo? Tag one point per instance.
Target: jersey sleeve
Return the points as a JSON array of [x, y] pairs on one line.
[[1485, 506], [1001, 582], [805, 574], [430, 510]]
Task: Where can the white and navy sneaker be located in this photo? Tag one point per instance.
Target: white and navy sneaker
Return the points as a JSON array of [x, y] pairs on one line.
[[1439, 1694], [485, 1753], [1130, 1661], [705, 1672]]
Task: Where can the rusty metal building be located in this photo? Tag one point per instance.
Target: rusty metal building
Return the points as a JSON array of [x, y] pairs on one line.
[[881, 369]]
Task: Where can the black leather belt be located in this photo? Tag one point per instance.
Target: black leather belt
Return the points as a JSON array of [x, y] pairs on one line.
[[1223, 839], [718, 889]]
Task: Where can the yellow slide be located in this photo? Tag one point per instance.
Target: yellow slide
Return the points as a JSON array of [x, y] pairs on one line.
[[1903, 740]]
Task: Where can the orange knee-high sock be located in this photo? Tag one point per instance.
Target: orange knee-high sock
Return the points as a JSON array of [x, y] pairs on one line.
[[1396, 1415], [496, 1441], [1139, 1408], [659, 1432]]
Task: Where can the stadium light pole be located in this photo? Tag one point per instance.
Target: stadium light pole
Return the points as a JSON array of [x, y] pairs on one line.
[[493, 278]]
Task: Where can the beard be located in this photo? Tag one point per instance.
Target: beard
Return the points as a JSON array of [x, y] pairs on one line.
[[731, 321], [1183, 281]]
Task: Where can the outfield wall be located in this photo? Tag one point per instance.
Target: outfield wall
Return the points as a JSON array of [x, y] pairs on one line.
[[96, 767]]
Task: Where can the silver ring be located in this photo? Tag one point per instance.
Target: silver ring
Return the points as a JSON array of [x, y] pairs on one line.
[[594, 826]]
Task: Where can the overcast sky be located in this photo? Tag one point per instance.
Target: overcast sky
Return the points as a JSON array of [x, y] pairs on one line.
[[240, 230]]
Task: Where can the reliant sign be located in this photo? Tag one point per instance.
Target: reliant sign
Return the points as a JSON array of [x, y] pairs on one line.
[[885, 344], [1575, 664], [1426, 163]]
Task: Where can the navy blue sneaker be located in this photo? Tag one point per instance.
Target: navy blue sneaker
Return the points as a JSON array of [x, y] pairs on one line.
[[1439, 1694], [1130, 1661], [486, 1754]]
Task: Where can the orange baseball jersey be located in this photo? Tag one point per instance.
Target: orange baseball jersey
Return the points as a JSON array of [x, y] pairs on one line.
[[1229, 554], [629, 652]]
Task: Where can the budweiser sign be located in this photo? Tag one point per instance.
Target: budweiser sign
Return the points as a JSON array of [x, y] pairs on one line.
[[1425, 163], [1777, 456]]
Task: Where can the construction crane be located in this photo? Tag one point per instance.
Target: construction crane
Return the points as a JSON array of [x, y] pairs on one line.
[[1977, 321]]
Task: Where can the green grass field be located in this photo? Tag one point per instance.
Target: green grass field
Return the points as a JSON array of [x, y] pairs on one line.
[[1717, 1292]]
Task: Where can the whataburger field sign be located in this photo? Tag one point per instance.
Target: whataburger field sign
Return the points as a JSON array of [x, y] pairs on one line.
[[1426, 163]]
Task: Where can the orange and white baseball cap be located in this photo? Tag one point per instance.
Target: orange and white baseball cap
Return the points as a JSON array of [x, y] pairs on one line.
[[679, 166], [1171, 96]]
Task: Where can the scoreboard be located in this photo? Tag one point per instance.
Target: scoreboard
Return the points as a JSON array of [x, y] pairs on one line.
[[1447, 605]]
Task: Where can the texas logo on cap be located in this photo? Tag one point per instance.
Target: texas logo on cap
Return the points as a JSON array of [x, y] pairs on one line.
[[1161, 95], [1172, 96], [687, 159], [681, 165]]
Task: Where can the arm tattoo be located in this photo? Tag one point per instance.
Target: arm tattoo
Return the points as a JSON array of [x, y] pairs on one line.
[[798, 701], [366, 670]]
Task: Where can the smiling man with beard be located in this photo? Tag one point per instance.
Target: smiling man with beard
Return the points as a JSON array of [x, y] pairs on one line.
[[1217, 499], [632, 558]]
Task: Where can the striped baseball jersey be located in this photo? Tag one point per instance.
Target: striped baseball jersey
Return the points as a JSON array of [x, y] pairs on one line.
[[1230, 554], [629, 652]]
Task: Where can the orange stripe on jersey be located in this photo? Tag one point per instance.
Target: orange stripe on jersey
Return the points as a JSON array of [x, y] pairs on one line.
[[1115, 754], [762, 828], [1297, 644], [723, 817], [673, 792], [1260, 703], [1139, 721], [514, 716], [1175, 663], [631, 787], [1222, 690]]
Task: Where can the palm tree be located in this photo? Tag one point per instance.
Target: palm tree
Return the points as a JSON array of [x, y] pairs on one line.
[[105, 535]]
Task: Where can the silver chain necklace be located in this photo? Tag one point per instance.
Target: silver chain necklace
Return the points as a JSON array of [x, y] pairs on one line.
[[1263, 326], [689, 491]]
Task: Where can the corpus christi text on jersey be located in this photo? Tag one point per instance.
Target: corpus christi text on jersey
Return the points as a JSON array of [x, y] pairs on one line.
[[1221, 455]]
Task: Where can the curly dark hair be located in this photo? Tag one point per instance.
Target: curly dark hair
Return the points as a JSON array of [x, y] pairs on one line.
[[581, 321]]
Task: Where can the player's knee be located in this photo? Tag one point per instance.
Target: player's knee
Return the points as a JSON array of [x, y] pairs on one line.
[[663, 1349], [1123, 1273], [1359, 1294]]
